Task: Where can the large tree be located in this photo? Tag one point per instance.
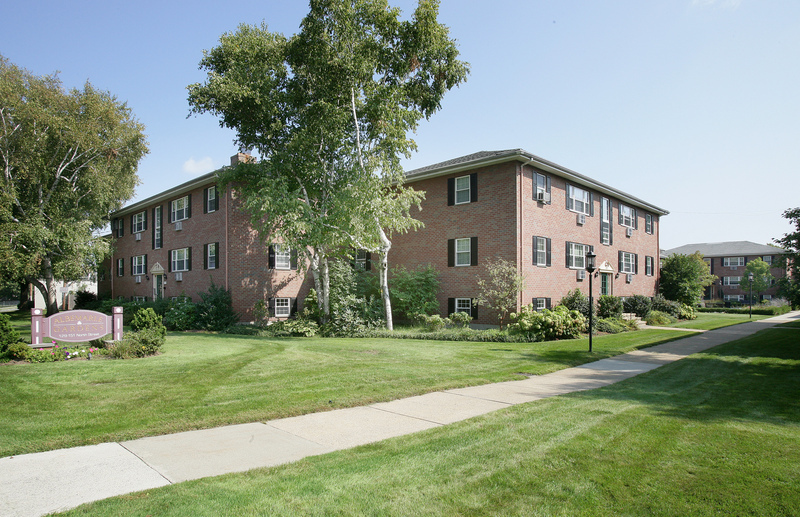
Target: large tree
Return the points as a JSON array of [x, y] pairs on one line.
[[762, 277], [329, 110], [68, 159], [685, 277], [790, 285]]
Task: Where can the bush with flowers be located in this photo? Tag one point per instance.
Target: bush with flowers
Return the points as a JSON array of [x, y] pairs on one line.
[[23, 352]]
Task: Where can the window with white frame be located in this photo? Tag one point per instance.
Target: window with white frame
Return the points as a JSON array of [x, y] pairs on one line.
[[733, 261], [138, 222], [464, 305], [540, 251], [648, 224], [648, 265], [361, 259], [605, 221], [766, 297], [463, 252], [140, 298], [540, 304], [211, 256], [138, 265], [283, 307], [734, 297], [627, 216], [627, 262], [463, 194], [180, 259], [732, 281], [179, 208], [540, 187], [767, 259], [157, 228], [579, 200], [283, 257], [211, 199], [120, 267], [576, 255]]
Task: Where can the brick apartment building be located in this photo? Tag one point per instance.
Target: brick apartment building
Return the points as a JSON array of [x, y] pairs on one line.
[[728, 261], [509, 204]]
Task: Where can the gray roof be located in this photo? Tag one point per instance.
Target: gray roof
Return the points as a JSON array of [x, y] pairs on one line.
[[484, 158], [726, 249]]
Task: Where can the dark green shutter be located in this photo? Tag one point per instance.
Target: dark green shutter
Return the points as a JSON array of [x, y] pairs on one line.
[[473, 187], [473, 251], [451, 252], [451, 191]]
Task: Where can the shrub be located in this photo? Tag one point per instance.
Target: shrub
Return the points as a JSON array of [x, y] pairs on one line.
[[8, 334], [180, 316], [215, 310], [86, 300], [687, 312], [18, 351], [661, 304], [297, 327], [611, 325], [148, 319], [460, 319], [352, 310], [546, 325], [609, 307], [140, 343], [413, 291], [434, 322], [656, 318], [637, 304]]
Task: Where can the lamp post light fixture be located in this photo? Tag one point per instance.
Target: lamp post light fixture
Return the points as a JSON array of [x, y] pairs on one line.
[[590, 269], [750, 277]]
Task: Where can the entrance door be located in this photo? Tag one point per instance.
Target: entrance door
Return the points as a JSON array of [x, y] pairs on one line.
[[605, 284], [158, 287]]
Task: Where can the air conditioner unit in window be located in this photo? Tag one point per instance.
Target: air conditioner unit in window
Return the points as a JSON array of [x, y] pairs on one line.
[[138, 236], [138, 279], [629, 232], [628, 278], [542, 196], [581, 218], [581, 274], [734, 268], [179, 226], [178, 277]]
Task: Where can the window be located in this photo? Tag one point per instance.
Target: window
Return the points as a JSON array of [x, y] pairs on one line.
[[283, 307], [462, 190], [540, 304], [767, 259], [734, 297], [648, 265], [576, 255], [138, 265], [158, 232], [283, 257], [118, 227], [627, 262], [541, 251], [139, 222], [180, 259], [579, 200], [732, 281], [120, 267], [462, 305], [210, 200], [766, 297], [211, 256], [648, 224], [179, 209], [362, 260], [605, 221], [541, 190], [627, 216], [463, 252], [733, 261], [140, 298]]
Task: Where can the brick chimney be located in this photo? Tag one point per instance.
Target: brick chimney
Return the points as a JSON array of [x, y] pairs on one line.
[[241, 158]]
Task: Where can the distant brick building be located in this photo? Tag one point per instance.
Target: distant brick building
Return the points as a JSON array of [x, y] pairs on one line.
[[728, 261], [509, 204]]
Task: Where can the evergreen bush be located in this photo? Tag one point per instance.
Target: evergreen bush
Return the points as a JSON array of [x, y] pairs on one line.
[[8, 334], [637, 304], [609, 307], [215, 309]]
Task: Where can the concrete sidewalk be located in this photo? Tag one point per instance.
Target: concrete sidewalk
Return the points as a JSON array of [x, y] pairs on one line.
[[36, 484]]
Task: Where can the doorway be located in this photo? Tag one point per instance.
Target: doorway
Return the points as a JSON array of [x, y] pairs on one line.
[[605, 284]]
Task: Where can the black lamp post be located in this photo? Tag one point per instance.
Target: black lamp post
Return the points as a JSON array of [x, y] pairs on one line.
[[590, 269], [750, 277]]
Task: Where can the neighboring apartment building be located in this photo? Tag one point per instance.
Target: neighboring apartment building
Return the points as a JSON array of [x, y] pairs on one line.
[[728, 261], [511, 204]]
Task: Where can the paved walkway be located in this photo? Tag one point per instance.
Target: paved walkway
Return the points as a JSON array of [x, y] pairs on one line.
[[35, 484]]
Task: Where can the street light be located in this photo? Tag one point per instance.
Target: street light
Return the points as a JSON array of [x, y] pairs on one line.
[[590, 269], [750, 276]]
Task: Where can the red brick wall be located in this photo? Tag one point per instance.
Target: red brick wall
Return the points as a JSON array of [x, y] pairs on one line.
[[720, 270]]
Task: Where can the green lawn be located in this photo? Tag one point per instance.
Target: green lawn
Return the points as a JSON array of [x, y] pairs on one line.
[[207, 380], [715, 320], [713, 434]]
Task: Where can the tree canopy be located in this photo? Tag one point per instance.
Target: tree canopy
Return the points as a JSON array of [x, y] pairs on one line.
[[790, 284], [762, 277], [329, 110], [68, 159], [685, 277]]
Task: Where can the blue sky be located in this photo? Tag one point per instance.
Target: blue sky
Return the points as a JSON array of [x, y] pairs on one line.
[[692, 105]]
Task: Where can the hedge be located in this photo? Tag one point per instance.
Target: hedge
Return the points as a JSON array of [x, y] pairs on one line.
[[764, 311]]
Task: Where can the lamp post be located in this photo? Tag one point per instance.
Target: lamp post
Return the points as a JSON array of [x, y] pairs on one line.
[[750, 277], [590, 269]]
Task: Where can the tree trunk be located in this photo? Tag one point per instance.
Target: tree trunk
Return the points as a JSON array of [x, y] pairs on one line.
[[326, 286], [386, 245], [319, 269]]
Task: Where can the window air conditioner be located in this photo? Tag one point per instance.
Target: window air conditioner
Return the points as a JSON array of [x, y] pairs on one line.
[[581, 219], [629, 232], [542, 196], [581, 274], [179, 226], [138, 279], [734, 268], [178, 277], [629, 278], [138, 236]]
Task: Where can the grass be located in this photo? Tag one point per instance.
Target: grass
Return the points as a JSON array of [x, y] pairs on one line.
[[712, 434], [715, 320], [207, 380]]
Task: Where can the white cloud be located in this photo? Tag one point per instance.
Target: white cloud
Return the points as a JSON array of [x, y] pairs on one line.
[[197, 167], [723, 4]]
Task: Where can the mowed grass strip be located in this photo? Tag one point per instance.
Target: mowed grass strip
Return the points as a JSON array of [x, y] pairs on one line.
[[715, 320], [713, 434], [207, 380]]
